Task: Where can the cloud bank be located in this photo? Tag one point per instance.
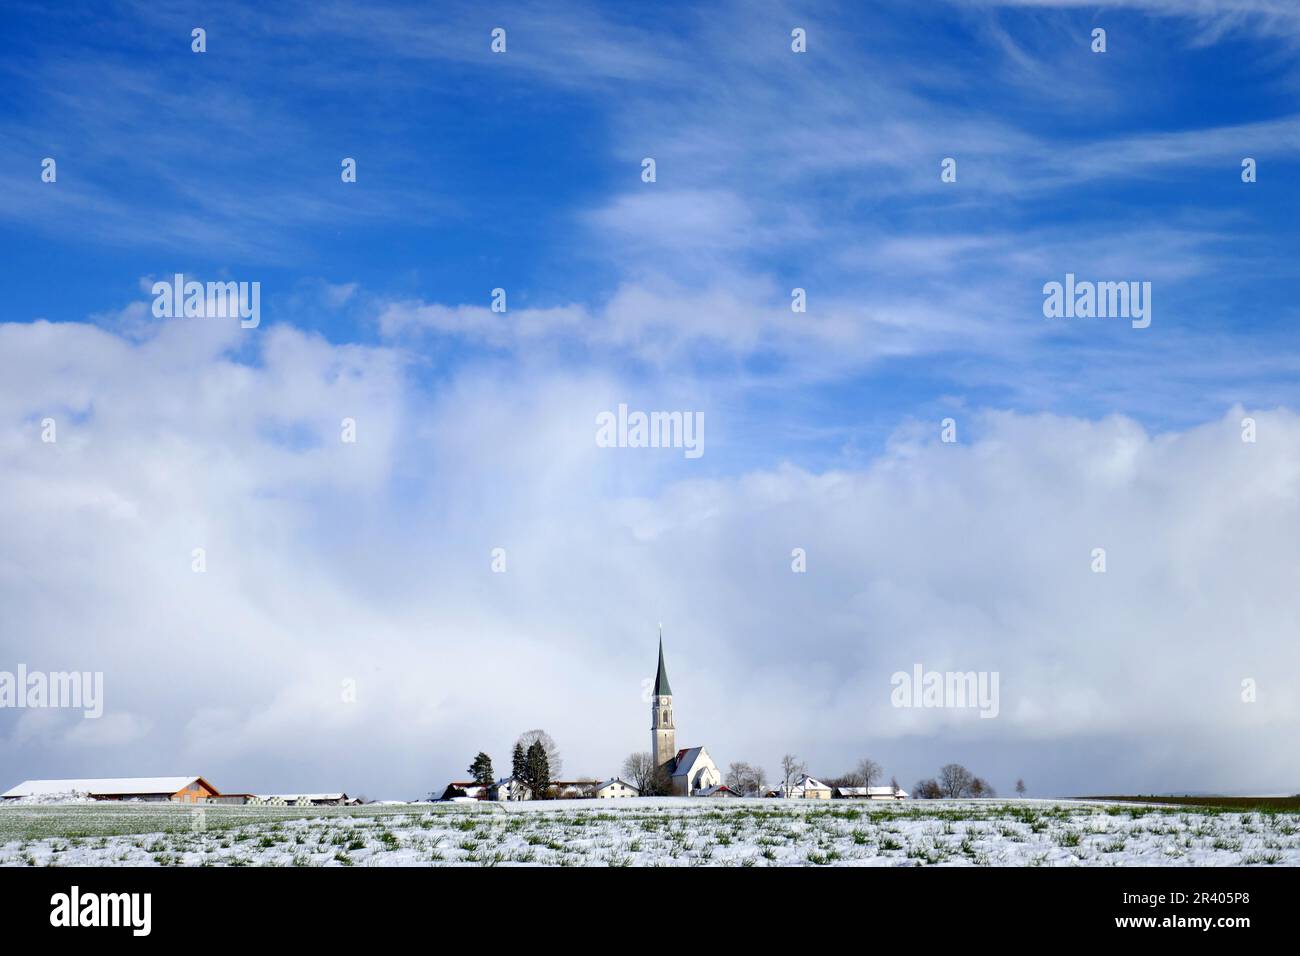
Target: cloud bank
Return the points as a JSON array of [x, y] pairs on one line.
[[370, 563]]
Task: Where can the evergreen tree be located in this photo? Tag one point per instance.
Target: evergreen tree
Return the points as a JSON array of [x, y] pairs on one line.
[[537, 771], [481, 771], [518, 762]]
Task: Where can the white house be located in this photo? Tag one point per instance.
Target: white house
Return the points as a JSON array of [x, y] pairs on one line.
[[614, 788], [805, 788], [511, 788]]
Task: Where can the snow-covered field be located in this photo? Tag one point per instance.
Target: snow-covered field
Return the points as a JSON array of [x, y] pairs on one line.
[[655, 832]]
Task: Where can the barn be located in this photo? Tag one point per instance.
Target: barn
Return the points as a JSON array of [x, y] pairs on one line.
[[192, 789]]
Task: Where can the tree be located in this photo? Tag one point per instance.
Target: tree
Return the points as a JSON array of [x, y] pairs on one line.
[[893, 785], [746, 779], [1020, 787], [529, 737], [661, 783], [518, 761], [639, 770], [537, 771], [927, 789], [869, 770], [792, 768], [850, 779], [955, 780], [481, 772]]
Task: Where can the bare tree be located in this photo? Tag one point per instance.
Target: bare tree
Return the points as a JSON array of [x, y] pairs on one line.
[[553, 764], [869, 770], [893, 785], [746, 779], [927, 789], [792, 768], [851, 779], [639, 770], [1020, 787], [955, 780]]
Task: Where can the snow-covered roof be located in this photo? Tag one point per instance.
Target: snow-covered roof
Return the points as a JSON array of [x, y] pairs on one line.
[[810, 783], [613, 780], [686, 760], [105, 786], [302, 796], [802, 785], [869, 791]]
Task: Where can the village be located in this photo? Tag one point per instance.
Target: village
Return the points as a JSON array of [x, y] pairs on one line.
[[664, 770]]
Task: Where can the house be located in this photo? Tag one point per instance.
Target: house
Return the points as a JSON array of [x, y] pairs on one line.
[[511, 788], [805, 788], [721, 790], [302, 800], [572, 789], [615, 788], [869, 793], [191, 789], [460, 792]]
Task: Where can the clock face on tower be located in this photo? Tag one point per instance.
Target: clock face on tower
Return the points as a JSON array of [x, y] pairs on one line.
[[663, 737]]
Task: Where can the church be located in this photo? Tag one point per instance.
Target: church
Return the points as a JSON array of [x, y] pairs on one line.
[[692, 770]]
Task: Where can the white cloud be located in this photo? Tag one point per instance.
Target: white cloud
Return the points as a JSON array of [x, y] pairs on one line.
[[371, 563]]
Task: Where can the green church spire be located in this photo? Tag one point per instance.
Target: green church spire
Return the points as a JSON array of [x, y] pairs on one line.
[[662, 688]]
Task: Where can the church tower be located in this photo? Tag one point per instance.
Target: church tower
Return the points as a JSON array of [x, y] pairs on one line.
[[663, 735]]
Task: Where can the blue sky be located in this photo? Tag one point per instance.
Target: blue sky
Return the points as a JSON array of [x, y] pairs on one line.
[[522, 171]]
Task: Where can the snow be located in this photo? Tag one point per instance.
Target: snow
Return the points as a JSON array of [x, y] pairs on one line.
[[59, 797], [650, 831]]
